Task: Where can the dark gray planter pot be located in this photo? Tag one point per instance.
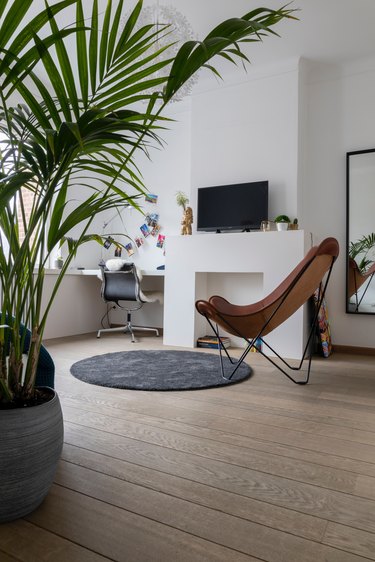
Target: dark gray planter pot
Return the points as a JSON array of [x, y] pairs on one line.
[[30, 446]]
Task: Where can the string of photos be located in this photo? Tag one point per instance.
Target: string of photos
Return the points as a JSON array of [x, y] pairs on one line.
[[149, 230]]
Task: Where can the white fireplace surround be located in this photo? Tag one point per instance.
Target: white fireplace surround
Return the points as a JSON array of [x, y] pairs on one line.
[[201, 265]]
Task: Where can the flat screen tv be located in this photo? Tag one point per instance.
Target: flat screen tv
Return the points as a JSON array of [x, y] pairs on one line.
[[240, 206]]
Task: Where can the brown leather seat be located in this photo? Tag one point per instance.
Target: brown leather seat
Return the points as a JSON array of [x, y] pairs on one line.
[[256, 320]]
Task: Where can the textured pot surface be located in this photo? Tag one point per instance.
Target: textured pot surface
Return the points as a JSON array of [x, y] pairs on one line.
[[30, 446]]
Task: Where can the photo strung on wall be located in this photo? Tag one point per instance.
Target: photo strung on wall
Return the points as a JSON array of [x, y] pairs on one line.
[[151, 198], [129, 248], [150, 229], [149, 233]]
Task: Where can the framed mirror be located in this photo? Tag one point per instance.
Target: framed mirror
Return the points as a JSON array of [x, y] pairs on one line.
[[360, 232]]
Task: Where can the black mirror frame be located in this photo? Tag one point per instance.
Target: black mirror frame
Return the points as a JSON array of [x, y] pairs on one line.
[[348, 155]]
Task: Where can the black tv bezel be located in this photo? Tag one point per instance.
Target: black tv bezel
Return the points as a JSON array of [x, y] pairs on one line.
[[240, 227]]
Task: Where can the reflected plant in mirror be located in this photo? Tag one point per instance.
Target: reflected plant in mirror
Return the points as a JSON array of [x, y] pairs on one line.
[[363, 252], [360, 270]]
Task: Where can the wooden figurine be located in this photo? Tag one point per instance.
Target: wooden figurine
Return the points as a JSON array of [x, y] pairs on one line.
[[187, 220]]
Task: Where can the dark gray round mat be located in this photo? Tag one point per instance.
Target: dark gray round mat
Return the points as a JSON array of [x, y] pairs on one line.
[[157, 370]]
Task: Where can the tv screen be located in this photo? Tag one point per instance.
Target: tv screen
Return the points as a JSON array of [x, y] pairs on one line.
[[232, 207]]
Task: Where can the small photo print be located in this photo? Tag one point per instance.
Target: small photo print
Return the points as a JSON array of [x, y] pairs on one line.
[[107, 242], [129, 248], [155, 230], [151, 198], [145, 230], [161, 240], [118, 252], [139, 241], [152, 219]]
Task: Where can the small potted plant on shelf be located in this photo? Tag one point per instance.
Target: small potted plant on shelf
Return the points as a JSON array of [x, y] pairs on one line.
[[294, 225], [71, 126], [282, 222], [182, 199]]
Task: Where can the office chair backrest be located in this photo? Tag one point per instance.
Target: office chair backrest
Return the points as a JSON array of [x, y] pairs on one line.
[[121, 285], [267, 314]]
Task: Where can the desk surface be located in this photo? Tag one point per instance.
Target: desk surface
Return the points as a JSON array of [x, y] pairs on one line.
[[96, 272]]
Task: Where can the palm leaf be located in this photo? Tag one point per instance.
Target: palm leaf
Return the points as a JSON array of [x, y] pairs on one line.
[[194, 54], [93, 46], [66, 67], [24, 36], [83, 70], [103, 50]]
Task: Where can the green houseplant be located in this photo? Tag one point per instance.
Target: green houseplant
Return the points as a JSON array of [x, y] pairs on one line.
[[282, 222], [182, 199], [363, 251], [294, 225], [71, 127]]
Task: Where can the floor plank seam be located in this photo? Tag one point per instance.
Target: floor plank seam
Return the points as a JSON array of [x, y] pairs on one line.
[[167, 525], [197, 503], [31, 522], [326, 520], [137, 439], [250, 422], [200, 536], [241, 405], [264, 410], [352, 552], [240, 435], [194, 396]]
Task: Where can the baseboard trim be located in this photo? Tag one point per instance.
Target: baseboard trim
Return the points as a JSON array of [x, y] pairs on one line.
[[354, 350]]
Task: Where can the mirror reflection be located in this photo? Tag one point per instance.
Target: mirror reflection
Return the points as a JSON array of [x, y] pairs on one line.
[[360, 282]]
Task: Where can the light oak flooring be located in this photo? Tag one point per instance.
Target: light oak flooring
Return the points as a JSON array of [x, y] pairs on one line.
[[262, 470]]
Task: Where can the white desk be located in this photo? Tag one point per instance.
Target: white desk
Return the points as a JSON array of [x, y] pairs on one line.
[[261, 259], [96, 272], [78, 308]]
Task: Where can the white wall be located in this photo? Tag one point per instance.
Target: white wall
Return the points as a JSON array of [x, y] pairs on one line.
[[341, 118], [77, 308], [248, 131]]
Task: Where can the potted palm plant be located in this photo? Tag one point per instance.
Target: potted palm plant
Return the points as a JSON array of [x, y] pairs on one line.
[[71, 126]]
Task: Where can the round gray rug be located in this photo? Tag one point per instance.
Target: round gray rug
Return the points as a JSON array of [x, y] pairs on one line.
[[157, 370]]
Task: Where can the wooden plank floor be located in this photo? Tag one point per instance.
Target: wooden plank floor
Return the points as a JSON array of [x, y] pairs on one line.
[[259, 471]]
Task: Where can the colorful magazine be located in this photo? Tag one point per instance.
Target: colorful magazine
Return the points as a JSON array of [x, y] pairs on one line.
[[324, 330]]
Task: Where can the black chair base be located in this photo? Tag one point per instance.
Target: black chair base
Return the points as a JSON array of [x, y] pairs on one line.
[[128, 328]]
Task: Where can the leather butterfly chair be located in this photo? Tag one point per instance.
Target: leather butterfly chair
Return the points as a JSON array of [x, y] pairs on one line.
[[254, 321], [356, 279]]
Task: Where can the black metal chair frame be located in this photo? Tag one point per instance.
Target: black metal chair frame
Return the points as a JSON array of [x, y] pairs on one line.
[[252, 342]]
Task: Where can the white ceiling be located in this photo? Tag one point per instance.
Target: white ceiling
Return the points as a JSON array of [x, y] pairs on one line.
[[329, 31]]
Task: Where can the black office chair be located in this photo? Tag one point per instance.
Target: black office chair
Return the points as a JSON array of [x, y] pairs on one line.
[[125, 285]]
